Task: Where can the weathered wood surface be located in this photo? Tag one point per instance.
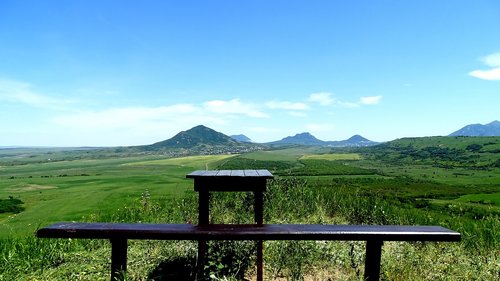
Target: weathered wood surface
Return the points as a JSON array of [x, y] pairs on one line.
[[230, 173], [247, 232]]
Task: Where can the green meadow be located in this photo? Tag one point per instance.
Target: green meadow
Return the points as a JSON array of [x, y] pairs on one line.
[[452, 182], [69, 190]]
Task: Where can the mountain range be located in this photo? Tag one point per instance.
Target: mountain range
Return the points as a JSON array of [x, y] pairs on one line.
[[479, 130], [308, 139], [202, 139]]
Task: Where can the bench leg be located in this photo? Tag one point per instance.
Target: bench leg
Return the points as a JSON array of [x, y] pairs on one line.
[[372, 259], [259, 220], [260, 272], [118, 259], [201, 260]]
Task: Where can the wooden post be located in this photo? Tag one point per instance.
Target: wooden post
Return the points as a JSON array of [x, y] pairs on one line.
[[118, 259], [372, 259], [203, 207], [259, 220], [203, 219], [259, 207]]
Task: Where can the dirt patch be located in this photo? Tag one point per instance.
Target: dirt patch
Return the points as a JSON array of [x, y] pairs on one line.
[[30, 187]]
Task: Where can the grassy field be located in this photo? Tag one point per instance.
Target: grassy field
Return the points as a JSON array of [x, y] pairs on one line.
[[68, 190], [399, 183], [333, 156]]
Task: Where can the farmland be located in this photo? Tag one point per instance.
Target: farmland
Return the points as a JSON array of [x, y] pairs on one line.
[[453, 182]]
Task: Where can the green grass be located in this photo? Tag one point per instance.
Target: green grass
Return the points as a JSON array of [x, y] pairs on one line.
[[68, 190], [333, 156], [484, 198], [288, 200], [380, 185], [198, 162]]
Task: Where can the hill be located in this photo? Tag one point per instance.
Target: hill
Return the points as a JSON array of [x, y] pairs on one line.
[[195, 136], [241, 138], [302, 138], [201, 140], [479, 130], [355, 140], [308, 139]]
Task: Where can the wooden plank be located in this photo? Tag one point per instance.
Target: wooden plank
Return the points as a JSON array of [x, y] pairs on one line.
[[230, 173], [197, 173], [265, 173], [224, 173], [210, 173], [237, 173], [248, 232], [250, 173]]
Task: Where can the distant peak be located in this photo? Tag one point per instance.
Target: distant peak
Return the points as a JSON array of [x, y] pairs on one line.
[[357, 138], [478, 130], [304, 134], [241, 138], [199, 127]]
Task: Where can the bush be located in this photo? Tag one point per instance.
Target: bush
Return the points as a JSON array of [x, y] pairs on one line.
[[11, 205]]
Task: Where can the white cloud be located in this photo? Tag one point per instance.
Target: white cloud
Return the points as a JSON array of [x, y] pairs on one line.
[[130, 117], [492, 61], [287, 105], [19, 92], [348, 104], [316, 127], [491, 74], [297, 113], [153, 121], [322, 98], [370, 100], [234, 106], [325, 98]]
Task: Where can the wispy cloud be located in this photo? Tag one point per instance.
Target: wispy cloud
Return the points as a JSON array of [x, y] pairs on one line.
[[20, 92], [325, 98], [319, 127], [493, 73], [287, 105], [234, 106], [492, 60], [348, 104], [370, 100], [322, 98], [163, 118], [129, 117]]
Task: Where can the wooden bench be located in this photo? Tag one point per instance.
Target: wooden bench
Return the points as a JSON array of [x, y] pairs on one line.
[[119, 233]]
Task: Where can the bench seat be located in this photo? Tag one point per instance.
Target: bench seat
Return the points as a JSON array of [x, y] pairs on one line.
[[247, 232], [374, 235]]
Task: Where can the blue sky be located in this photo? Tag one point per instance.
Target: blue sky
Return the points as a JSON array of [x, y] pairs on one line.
[[107, 73]]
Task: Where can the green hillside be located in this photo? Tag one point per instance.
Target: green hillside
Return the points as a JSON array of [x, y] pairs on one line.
[[465, 152]]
